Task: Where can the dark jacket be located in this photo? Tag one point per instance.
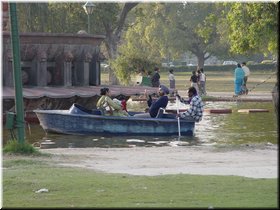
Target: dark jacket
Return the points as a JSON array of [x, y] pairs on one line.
[[161, 102], [155, 79]]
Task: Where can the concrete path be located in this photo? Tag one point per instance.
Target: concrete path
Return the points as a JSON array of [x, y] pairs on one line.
[[253, 96], [228, 96]]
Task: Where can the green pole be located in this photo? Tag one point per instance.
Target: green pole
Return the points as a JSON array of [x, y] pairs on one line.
[[17, 73], [88, 24]]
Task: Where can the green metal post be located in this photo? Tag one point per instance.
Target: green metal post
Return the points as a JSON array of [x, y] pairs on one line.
[[88, 24], [17, 73]]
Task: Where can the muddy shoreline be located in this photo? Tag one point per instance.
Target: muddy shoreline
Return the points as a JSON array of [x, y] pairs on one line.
[[152, 161]]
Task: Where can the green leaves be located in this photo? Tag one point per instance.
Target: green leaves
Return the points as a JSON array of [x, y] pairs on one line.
[[253, 27]]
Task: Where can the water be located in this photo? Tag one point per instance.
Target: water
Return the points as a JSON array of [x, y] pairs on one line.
[[215, 129], [239, 128]]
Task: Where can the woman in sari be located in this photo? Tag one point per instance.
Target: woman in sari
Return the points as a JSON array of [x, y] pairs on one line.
[[108, 106], [238, 79]]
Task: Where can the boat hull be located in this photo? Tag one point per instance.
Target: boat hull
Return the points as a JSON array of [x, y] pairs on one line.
[[61, 121]]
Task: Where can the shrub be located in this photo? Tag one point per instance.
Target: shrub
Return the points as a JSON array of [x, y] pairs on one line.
[[267, 61], [14, 146]]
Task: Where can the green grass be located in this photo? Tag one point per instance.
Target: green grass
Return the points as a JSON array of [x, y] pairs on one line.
[[13, 146], [218, 81], [72, 187]]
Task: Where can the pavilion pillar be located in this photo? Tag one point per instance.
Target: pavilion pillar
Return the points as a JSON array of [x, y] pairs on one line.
[[94, 72], [81, 71], [39, 75], [67, 69], [8, 69]]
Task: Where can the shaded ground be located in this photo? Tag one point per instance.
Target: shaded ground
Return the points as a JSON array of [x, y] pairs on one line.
[[204, 160], [251, 96]]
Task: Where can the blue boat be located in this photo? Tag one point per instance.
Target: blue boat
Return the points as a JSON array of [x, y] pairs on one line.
[[81, 121]]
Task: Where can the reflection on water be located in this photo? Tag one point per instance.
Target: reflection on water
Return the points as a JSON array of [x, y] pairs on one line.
[[239, 128], [215, 129], [63, 141]]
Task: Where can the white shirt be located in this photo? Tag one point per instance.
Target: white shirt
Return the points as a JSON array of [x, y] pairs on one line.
[[246, 70], [202, 77], [171, 77]]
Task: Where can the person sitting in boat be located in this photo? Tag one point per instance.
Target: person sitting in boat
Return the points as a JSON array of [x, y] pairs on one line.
[[154, 106], [108, 106], [196, 106]]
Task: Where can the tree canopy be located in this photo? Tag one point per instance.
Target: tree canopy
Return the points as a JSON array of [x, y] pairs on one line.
[[253, 27], [142, 35]]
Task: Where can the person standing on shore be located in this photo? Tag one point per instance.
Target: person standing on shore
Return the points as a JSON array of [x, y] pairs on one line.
[[247, 73], [201, 81], [155, 78], [238, 79], [171, 78], [194, 81]]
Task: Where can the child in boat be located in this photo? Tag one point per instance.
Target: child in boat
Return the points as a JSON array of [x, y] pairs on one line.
[[108, 106]]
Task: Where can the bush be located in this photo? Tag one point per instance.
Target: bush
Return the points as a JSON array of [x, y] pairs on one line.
[[267, 62], [14, 146]]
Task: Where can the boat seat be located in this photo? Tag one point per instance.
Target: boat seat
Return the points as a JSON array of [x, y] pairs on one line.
[[101, 111], [96, 112], [160, 113], [78, 109]]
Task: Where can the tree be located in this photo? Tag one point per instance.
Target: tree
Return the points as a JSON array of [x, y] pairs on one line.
[[195, 29], [51, 17], [171, 29], [138, 50], [113, 16], [253, 27]]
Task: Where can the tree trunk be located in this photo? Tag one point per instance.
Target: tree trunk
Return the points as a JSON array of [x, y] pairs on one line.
[[113, 37], [201, 58], [275, 97], [111, 46], [200, 61]]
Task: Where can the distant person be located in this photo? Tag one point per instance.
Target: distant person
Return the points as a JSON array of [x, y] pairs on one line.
[[201, 81], [143, 72], [108, 106], [154, 106], [149, 74], [171, 78], [238, 79], [139, 77], [155, 78], [196, 106], [194, 81], [247, 73]]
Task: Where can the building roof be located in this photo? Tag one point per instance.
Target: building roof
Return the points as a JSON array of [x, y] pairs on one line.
[[67, 92]]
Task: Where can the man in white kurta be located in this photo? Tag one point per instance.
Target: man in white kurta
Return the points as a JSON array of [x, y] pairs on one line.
[[246, 71]]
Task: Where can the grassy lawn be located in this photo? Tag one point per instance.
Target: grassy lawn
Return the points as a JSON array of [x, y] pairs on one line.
[[73, 187], [218, 81]]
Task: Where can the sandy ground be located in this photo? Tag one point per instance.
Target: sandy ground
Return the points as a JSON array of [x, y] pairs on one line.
[[205, 160]]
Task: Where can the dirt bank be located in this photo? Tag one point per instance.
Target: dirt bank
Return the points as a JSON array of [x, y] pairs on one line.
[[150, 161]]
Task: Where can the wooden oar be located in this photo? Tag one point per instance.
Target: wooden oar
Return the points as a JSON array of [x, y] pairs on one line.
[[145, 99], [179, 128]]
